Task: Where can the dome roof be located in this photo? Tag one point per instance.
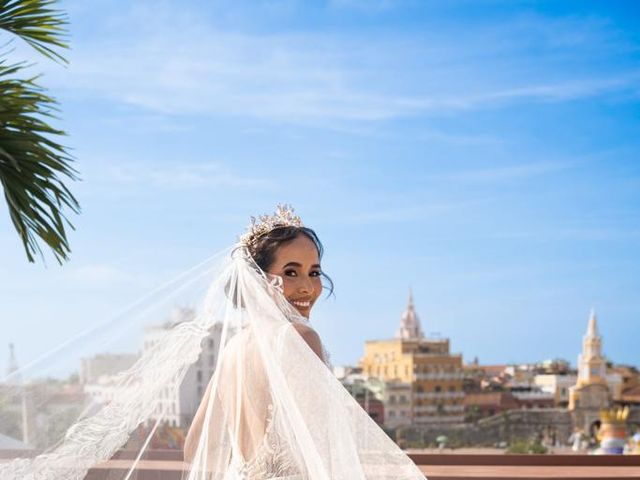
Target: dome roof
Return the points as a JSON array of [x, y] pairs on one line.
[[409, 322]]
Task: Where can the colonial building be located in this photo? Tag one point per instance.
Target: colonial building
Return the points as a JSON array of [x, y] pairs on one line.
[[434, 374], [557, 385], [104, 364], [397, 400], [488, 403], [594, 389], [177, 403]]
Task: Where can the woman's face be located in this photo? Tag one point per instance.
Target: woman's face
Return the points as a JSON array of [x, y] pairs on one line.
[[298, 264]]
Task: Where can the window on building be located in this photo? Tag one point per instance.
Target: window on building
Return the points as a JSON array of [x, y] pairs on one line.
[[199, 376], [212, 359], [211, 344], [437, 389], [392, 399], [452, 388]]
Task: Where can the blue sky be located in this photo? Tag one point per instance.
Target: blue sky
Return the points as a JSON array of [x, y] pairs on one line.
[[482, 153]]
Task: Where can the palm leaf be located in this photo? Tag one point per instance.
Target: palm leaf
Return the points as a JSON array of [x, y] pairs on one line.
[[32, 164], [36, 23]]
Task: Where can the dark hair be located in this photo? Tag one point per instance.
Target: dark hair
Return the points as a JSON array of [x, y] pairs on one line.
[[263, 248]]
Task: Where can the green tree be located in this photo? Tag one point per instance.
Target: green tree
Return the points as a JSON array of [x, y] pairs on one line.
[[32, 164]]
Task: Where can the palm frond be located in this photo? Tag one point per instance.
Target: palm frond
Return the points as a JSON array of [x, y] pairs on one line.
[[42, 27], [32, 165]]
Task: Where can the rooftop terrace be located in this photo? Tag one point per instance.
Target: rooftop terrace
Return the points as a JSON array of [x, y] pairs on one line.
[[167, 465]]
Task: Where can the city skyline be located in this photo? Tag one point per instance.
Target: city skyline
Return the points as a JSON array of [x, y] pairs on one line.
[[70, 370], [481, 153]]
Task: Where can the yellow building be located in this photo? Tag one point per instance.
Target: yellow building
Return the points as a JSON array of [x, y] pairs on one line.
[[435, 375]]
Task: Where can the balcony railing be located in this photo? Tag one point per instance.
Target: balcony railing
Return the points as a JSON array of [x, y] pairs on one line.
[[439, 376], [434, 408], [425, 395], [524, 467], [168, 465]]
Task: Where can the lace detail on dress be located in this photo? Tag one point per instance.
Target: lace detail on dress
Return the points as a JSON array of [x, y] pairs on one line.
[[273, 458]]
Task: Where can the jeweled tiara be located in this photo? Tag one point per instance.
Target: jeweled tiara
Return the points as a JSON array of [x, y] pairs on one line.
[[284, 217]]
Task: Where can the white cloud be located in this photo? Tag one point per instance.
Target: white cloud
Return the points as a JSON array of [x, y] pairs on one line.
[[504, 173], [414, 211], [98, 274], [183, 175], [460, 139], [314, 78]]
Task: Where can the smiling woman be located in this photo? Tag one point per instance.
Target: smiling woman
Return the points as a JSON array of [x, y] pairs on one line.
[[286, 412], [269, 407], [277, 252]]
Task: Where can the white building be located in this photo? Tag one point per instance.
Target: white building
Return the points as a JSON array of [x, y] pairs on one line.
[[343, 371], [397, 404], [177, 403], [104, 364], [180, 402], [556, 385]]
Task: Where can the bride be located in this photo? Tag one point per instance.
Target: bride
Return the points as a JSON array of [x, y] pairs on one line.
[[289, 254], [272, 409]]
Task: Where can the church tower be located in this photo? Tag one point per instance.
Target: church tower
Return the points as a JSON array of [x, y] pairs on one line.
[[422, 367], [409, 322], [12, 367], [591, 393], [591, 364]]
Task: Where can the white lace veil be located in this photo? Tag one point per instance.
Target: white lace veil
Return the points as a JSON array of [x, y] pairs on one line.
[[271, 409]]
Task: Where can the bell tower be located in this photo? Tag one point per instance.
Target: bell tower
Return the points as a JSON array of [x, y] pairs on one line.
[[591, 364], [409, 322], [591, 393]]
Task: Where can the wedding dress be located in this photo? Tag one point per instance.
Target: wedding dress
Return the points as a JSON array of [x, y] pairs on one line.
[[272, 408]]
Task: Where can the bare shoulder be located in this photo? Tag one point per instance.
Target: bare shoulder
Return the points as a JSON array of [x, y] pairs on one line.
[[303, 328], [310, 336]]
